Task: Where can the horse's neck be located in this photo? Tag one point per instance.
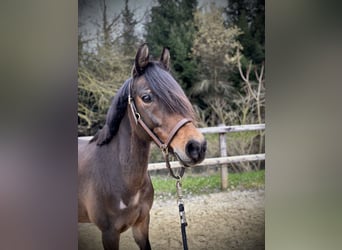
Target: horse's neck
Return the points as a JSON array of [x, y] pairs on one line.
[[133, 154]]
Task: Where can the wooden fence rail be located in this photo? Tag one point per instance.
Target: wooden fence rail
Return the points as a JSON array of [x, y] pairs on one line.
[[234, 128], [211, 161], [224, 159]]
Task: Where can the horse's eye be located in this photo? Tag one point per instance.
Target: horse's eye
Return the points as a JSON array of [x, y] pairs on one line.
[[147, 98]]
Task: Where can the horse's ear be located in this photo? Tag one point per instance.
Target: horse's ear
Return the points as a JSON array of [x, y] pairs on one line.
[[165, 58], [141, 60]]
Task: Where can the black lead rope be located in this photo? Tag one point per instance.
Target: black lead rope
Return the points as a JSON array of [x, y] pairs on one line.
[[182, 213], [179, 197]]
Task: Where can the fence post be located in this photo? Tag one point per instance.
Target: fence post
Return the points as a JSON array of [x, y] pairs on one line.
[[224, 167]]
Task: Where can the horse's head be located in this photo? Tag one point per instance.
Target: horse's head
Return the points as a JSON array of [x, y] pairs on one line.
[[160, 103]]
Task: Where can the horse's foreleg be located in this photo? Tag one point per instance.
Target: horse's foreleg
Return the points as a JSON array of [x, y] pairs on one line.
[[110, 240], [140, 233]]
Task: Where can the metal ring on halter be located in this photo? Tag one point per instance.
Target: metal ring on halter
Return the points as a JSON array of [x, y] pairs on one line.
[[137, 115]]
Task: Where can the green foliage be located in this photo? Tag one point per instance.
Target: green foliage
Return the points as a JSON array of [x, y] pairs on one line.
[[171, 25], [249, 16], [213, 43], [247, 180], [205, 184]]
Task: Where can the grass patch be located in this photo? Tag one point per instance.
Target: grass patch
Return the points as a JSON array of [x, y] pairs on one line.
[[200, 184]]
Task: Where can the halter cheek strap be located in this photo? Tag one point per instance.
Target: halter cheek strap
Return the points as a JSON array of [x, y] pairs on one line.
[[137, 117]]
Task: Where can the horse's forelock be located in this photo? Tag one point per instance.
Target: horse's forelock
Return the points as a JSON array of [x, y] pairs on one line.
[[168, 90]]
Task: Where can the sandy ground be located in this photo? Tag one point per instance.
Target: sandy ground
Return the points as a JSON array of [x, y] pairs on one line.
[[226, 220]]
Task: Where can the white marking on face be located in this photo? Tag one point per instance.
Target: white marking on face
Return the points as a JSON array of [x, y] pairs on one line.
[[122, 205]]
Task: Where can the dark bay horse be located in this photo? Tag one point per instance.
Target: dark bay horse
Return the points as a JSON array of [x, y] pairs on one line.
[[114, 189]]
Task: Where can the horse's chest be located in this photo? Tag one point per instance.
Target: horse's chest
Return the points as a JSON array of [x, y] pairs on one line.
[[131, 202], [131, 211]]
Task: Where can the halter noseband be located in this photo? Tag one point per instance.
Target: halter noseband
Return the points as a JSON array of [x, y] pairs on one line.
[[163, 146]]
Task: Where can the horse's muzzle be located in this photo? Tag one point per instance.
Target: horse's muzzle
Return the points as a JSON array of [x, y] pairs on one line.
[[195, 150]]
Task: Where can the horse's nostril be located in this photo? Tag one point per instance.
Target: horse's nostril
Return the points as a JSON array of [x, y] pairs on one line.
[[196, 150]]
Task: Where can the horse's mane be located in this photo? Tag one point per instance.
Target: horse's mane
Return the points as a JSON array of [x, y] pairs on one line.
[[114, 116], [162, 84]]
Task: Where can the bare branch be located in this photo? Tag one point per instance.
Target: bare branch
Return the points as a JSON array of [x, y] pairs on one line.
[[115, 19], [260, 80], [240, 67], [245, 78], [259, 77]]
